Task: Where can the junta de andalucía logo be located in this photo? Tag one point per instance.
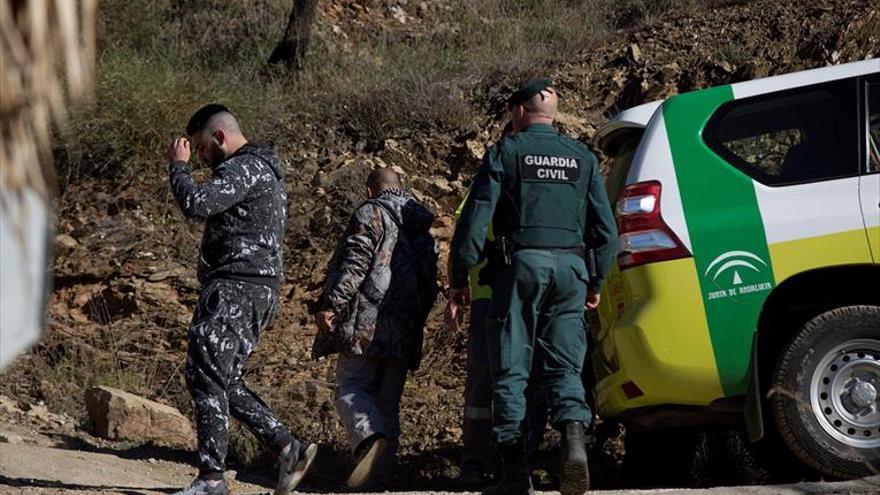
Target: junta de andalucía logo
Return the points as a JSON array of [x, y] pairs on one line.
[[738, 273]]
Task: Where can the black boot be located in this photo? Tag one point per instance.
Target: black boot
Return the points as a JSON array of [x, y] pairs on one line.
[[574, 476], [514, 471]]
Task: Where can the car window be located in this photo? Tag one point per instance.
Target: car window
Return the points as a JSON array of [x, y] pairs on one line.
[[790, 137], [874, 127], [621, 165]]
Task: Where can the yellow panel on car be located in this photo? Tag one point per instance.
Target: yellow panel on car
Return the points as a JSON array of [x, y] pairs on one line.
[[843, 248], [661, 340]]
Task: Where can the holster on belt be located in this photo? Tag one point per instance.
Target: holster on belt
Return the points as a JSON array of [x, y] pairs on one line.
[[592, 263], [499, 255], [591, 256]]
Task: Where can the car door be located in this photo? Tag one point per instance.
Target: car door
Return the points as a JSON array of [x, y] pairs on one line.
[[869, 187]]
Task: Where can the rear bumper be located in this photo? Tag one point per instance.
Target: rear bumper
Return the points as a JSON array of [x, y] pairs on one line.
[[655, 335], [720, 413]]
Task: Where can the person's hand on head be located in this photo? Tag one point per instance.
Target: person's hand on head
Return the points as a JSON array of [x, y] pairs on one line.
[[179, 150]]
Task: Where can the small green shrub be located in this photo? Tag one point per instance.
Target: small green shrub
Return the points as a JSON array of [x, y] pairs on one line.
[[733, 53]]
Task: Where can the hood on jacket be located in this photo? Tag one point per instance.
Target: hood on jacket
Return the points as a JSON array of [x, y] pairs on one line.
[[407, 212], [264, 152]]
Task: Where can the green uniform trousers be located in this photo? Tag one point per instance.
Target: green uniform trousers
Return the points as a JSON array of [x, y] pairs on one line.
[[538, 303]]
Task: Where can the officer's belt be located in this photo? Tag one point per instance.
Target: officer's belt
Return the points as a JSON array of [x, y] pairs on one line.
[[578, 250]]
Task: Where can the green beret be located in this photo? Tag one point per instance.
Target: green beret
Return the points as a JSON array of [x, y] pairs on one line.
[[527, 91]]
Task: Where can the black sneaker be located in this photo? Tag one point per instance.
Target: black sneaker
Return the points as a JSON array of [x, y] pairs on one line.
[[202, 487], [293, 463], [368, 452]]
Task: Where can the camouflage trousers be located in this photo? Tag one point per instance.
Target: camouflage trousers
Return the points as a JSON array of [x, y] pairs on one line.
[[226, 325]]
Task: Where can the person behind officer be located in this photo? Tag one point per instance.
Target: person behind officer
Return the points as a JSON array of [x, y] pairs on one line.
[[240, 268], [477, 427], [541, 192], [381, 284]]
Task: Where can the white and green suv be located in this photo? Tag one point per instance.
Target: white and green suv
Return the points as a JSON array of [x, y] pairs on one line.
[[747, 287]]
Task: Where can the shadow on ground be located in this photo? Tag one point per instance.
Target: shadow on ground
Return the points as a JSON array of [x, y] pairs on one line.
[[714, 458]]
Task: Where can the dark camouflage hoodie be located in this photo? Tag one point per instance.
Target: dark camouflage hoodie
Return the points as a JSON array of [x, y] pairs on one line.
[[374, 306], [245, 207]]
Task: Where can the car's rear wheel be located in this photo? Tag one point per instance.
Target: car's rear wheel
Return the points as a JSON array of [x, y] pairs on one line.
[[826, 392]]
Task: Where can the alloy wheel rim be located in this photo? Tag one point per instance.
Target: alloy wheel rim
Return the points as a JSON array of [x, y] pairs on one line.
[[845, 393]]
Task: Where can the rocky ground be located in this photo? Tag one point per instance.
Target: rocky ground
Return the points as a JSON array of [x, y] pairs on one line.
[[44, 453], [125, 261], [29, 469]]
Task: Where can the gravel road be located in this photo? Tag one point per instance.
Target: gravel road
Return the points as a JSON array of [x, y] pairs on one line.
[[33, 469]]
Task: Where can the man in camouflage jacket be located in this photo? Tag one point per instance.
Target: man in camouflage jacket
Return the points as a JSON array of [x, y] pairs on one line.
[[240, 268], [373, 313]]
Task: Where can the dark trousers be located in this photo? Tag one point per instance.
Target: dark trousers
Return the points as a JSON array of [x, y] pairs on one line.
[[537, 411], [478, 396], [226, 326], [368, 391], [478, 388], [538, 305]]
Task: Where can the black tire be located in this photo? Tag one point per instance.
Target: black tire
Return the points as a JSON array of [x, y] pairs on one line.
[[814, 369]]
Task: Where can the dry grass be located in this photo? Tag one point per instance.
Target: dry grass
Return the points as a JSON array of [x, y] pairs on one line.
[[157, 66]]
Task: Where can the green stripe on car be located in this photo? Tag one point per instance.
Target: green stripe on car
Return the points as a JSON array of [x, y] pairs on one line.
[[726, 232]]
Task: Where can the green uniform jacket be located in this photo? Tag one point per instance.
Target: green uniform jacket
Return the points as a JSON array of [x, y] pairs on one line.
[[523, 172]]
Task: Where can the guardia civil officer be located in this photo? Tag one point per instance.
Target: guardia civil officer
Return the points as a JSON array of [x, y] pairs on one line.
[[542, 193], [240, 267]]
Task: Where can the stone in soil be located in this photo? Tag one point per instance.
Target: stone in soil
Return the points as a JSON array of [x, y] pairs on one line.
[[119, 415]]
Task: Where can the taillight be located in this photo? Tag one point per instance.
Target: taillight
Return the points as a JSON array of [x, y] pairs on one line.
[[644, 236]]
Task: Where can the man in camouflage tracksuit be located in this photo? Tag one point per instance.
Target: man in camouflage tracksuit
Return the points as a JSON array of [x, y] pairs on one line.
[[240, 268], [380, 285]]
